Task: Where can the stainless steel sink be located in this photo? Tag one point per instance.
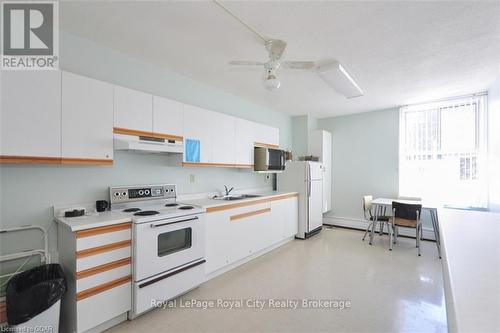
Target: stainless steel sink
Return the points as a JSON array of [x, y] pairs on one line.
[[238, 197], [244, 196]]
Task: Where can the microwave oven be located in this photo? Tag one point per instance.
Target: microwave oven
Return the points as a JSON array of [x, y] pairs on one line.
[[268, 159]]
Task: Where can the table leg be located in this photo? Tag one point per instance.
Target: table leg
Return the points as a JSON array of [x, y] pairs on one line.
[[375, 219], [435, 226]]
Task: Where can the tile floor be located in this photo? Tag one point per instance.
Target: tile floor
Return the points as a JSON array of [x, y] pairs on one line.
[[388, 291]]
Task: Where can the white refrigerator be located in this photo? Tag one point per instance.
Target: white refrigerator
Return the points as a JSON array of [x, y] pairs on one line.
[[306, 178]]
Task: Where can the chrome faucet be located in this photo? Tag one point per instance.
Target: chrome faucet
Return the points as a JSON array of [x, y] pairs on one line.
[[228, 191]]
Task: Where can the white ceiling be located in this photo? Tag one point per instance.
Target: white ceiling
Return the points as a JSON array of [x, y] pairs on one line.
[[399, 52]]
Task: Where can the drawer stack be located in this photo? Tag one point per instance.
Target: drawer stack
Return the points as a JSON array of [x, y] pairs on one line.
[[100, 288]]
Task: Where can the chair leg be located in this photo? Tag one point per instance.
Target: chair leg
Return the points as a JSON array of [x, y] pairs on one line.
[[418, 239], [381, 228], [390, 229], [396, 234], [367, 231]]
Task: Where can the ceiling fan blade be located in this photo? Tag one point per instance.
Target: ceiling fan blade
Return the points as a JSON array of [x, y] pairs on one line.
[[306, 65], [246, 63]]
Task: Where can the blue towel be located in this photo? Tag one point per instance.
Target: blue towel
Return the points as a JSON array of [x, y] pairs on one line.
[[192, 150]]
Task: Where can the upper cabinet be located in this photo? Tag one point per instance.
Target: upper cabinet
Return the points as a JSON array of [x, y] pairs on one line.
[[244, 142], [223, 139], [168, 117], [30, 117], [265, 135], [87, 120], [133, 112], [61, 117], [198, 127]]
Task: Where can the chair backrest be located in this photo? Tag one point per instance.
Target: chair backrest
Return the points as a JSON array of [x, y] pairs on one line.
[[367, 205], [406, 211]]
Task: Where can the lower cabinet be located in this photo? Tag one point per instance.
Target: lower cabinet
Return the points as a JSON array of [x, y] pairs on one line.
[[233, 234], [97, 263]]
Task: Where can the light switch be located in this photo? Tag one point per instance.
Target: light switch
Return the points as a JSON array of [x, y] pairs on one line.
[[191, 178]]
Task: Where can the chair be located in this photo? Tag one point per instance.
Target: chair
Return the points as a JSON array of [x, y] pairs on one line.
[[407, 216], [367, 212]]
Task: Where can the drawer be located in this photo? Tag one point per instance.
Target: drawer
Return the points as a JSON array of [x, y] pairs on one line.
[[103, 306], [99, 275], [90, 238], [98, 256]]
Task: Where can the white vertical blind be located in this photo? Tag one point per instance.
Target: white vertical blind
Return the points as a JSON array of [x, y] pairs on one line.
[[443, 152]]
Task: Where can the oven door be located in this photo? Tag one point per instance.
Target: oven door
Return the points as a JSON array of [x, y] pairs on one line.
[[276, 159], [165, 244]]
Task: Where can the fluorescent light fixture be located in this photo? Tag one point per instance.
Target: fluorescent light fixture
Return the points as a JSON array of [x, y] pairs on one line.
[[335, 75]]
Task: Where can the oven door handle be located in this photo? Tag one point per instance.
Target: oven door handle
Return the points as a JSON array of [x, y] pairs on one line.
[[172, 222]]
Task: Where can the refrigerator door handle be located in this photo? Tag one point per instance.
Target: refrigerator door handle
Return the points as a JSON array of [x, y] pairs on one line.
[[309, 188]]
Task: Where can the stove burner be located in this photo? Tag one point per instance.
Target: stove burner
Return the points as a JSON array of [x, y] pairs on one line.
[[146, 213], [171, 205], [131, 210], [186, 207]]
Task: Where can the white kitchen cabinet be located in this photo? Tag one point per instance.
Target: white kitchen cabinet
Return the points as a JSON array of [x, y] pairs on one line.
[[223, 138], [244, 142], [291, 224], [232, 234], [133, 111], [87, 120], [266, 135], [168, 117], [97, 263], [30, 116], [320, 145], [198, 125]]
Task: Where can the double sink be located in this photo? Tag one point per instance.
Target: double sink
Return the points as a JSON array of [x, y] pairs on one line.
[[237, 197]]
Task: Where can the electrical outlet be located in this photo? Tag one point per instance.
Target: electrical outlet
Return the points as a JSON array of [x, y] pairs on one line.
[[191, 178]]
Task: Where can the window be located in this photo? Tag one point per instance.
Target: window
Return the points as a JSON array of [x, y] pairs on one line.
[[442, 154]]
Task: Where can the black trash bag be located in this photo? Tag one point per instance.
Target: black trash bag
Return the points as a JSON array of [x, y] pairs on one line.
[[33, 291]]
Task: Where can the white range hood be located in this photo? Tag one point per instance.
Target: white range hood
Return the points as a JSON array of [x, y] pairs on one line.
[[147, 145]]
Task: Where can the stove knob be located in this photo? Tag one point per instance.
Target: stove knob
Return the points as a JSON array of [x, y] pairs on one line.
[[141, 192], [124, 194], [146, 192]]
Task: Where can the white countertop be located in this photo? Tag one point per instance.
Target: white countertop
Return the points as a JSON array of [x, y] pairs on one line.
[[471, 269], [94, 220], [209, 203]]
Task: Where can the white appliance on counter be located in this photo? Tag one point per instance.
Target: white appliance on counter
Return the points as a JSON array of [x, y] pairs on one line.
[[306, 178], [168, 243]]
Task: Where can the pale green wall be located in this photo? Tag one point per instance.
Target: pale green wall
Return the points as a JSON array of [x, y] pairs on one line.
[[301, 127], [28, 192], [364, 158]]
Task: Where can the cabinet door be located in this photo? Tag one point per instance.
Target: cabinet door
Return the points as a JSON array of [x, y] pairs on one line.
[[292, 217], [278, 221], [244, 142], [265, 134], [218, 241], [223, 138], [167, 118], [31, 114], [87, 118], [133, 110], [198, 125]]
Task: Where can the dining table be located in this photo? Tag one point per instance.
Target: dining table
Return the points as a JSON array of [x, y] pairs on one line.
[[379, 204]]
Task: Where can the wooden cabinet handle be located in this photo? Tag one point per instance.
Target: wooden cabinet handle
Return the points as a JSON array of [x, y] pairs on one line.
[[248, 214]]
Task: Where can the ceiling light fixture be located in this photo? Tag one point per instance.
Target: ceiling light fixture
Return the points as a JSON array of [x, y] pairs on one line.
[[271, 82], [335, 75]]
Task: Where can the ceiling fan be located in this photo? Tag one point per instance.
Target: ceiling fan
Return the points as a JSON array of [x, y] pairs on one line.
[[330, 70]]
